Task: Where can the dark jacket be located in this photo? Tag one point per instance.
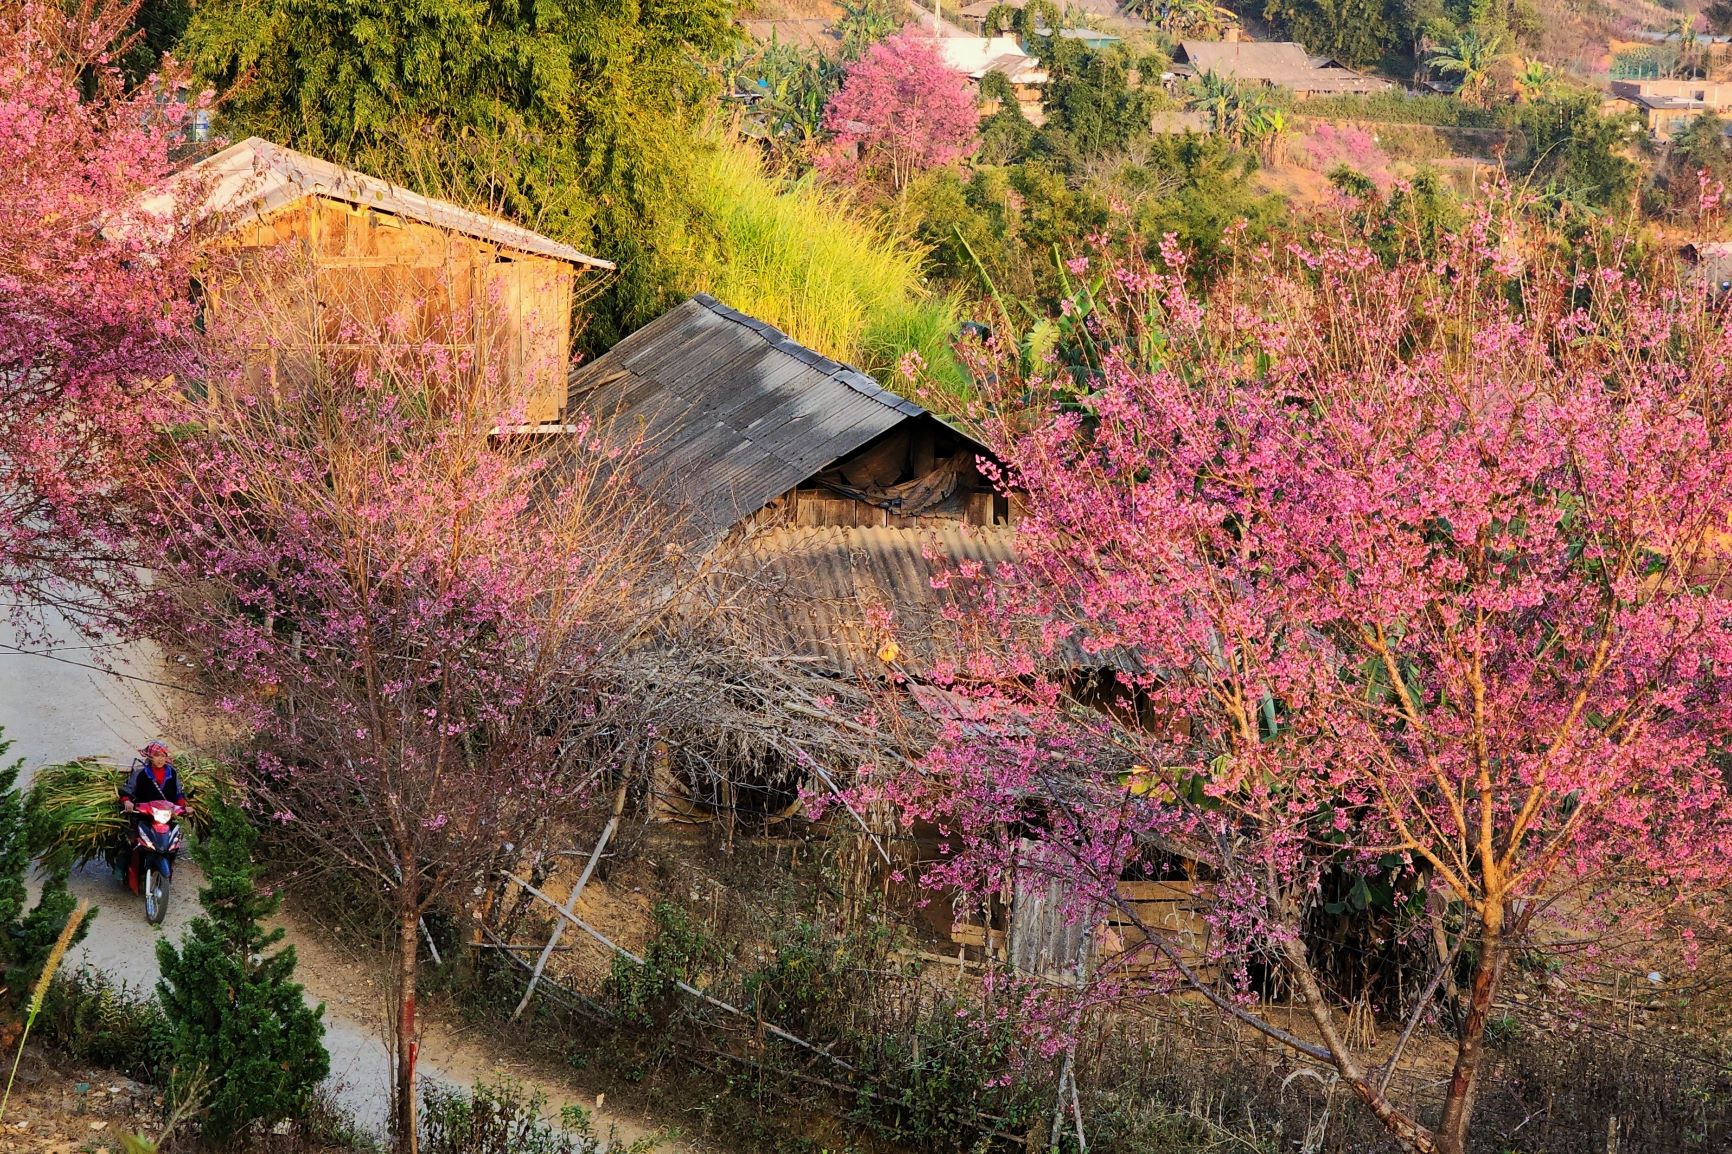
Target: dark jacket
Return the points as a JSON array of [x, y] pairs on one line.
[[141, 785]]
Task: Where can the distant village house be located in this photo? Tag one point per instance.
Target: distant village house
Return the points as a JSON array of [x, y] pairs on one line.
[[1278, 65], [1667, 106], [850, 509], [977, 56]]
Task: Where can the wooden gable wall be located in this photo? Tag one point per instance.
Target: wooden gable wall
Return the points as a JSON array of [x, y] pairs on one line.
[[511, 310]]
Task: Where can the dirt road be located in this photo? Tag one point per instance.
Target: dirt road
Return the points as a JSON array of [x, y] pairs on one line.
[[53, 707]]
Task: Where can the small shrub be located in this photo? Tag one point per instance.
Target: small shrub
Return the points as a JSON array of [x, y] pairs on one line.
[[938, 1084], [505, 1117], [799, 981], [242, 1034], [677, 953], [91, 1019]]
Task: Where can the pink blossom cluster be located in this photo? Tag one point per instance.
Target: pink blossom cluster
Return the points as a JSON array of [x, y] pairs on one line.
[[1328, 147], [92, 294], [1412, 570], [900, 111]]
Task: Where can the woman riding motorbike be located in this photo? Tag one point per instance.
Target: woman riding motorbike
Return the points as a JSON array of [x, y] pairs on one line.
[[153, 778]]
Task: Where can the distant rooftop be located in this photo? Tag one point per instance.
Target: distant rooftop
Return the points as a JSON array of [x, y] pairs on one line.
[[1284, 64], [975, 56]]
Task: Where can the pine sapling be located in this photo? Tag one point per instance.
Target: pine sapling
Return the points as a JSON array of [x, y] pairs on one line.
[[232, 1000]]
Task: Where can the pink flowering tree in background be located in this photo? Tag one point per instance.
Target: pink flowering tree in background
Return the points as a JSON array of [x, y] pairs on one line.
[[411, 621], [900, 111], [91, 296], [1422, 566]]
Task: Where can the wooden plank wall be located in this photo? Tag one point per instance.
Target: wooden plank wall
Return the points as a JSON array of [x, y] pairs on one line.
[[817, 508], [1042, 941], [431, 286]]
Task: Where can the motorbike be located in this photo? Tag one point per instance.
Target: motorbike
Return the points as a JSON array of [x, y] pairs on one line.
[[156, 844]]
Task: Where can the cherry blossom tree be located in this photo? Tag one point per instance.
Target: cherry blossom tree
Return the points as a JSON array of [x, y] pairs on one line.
[[900, 111], [91, 294], [411, 619], [1422, 568]]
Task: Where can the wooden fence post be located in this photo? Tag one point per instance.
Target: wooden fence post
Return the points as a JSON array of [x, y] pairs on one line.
[[576, 892]]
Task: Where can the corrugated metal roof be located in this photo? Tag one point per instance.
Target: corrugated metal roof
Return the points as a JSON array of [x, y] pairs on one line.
[[835, 596], [1245, 59], [256, 176], [725, 413]]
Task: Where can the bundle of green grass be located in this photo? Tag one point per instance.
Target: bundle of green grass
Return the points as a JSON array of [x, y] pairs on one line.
[[75, 813]]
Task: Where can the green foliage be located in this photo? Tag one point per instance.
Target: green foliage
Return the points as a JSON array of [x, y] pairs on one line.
[[91, 1019], [1469, 57], [1208, 188], [787, 87], [1005, 134], [801, 257], [1699, 149], [645, 994], [572, 118], [1355, 32], [1410, 220], [27, 932], [1399, 108], [934, 1084], [864, 23], [1246, 114], [158, 26], [1004, 229], [505, 1117], [1575, 152], [241, 1031], [798, 985], [1091, 108]]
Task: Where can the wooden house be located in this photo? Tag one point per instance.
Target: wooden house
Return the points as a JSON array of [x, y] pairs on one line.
[[1275, 65], [382, 258], [846, 506]]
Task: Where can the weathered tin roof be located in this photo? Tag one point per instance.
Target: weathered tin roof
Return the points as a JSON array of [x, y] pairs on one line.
[[1284, 64], [835, 596], [723, 413], [256, 176]]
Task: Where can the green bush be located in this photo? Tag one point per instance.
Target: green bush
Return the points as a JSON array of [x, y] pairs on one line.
[[939, 1083], [27, 932], [506, 1118], [243, 1039], [645, 994], [92, 1019]]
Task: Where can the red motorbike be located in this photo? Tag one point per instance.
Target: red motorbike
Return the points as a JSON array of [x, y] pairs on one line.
[[149, 859]]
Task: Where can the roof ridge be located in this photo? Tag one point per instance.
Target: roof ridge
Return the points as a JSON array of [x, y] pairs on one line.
[[309, 175], [856, 379]]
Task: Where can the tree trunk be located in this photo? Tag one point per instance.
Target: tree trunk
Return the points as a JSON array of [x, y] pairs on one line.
[[403, 1125], [1406, 1131], [1452, 1130]]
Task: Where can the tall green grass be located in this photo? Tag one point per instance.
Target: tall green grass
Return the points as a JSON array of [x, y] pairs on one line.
[[806, 259]]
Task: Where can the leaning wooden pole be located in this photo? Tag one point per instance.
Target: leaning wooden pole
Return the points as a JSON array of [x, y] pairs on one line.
[[576, 892]]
